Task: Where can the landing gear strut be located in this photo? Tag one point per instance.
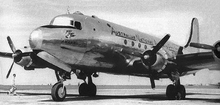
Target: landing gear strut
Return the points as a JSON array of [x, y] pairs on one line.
[[87, 89]]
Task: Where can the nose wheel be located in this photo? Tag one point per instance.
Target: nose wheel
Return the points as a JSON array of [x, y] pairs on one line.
[[58, 92]]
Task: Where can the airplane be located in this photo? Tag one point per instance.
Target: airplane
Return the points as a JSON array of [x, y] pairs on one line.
[[86, 45]]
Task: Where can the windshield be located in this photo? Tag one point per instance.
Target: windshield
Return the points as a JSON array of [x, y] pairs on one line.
[[66, 21]]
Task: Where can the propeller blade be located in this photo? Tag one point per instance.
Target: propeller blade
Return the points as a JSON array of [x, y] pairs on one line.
[[152, 82], [11, 44], [5, 54], [202, 46], [10, 70], [160, 44]]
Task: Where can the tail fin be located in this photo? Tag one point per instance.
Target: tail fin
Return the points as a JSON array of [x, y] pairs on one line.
[[193, 36]]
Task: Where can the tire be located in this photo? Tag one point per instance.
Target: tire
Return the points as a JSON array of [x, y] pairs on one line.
[[87, 89], [171, 92], [57, 92], [92, 90], [83, 89], [181, 92]]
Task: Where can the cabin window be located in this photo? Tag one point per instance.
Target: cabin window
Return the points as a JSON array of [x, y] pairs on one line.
[[125, 42], [145, 46], [132, 43], [139, 45], [66, 21]]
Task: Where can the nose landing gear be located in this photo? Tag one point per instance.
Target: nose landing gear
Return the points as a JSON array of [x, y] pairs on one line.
[[58, 92]]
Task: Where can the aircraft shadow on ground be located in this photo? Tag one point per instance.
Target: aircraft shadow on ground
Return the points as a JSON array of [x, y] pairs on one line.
[[147, 97], [203, 99]]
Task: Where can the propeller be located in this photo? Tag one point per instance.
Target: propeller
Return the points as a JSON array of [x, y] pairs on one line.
[[149, 57], [16, 55]]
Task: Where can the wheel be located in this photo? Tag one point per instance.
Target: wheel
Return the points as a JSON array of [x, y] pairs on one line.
[[92, 89], [58, 93], [181, 92], [83, 89], [87, 89], [171, 92]]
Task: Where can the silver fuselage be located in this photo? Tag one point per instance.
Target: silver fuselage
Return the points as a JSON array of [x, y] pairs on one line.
[[97, 44]]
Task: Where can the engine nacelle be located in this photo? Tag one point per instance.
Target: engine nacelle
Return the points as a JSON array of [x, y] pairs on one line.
[[25, 61], [160, 63], [216, 51]]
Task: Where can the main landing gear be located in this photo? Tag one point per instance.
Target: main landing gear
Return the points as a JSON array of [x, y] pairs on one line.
[[87, 89], [176, 91]]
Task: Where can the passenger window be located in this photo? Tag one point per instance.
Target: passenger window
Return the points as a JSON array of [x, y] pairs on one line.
[[125, 42], [132, 43], [139, 45], [145, 46]]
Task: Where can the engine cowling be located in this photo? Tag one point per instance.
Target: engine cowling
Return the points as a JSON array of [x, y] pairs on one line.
[[160, 63], [216, 51], [157, 62], [25, 61]]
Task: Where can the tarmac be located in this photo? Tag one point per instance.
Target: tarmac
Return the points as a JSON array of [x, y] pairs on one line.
[[111, 95]]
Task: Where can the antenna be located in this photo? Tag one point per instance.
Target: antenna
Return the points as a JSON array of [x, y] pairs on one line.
[[68, 11]]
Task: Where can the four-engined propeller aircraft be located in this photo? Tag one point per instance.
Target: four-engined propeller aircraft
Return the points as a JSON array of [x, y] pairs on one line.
[[85, 45]]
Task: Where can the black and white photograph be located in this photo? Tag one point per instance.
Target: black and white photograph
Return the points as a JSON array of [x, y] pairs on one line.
[[110, 52]]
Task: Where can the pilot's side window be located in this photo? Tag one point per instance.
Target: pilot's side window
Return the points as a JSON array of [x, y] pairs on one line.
[[78, 25]]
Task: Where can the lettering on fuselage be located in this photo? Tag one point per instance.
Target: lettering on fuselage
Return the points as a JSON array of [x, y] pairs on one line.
[[131, 37], [143, 40], [122, 34]]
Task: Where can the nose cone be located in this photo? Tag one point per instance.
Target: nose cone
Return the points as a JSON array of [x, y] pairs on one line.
[[35, 39]]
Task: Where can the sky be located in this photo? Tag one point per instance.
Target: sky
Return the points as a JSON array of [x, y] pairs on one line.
[[18, 18]]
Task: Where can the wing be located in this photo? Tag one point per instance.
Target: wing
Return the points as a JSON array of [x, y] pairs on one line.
[[198, 61], [54, 61]]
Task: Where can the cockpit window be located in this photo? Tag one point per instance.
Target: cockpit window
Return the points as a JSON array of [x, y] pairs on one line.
[[78, 25], [66, 21]]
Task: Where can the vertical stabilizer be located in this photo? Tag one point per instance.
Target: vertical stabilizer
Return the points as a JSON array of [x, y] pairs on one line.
[[193, 36]]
